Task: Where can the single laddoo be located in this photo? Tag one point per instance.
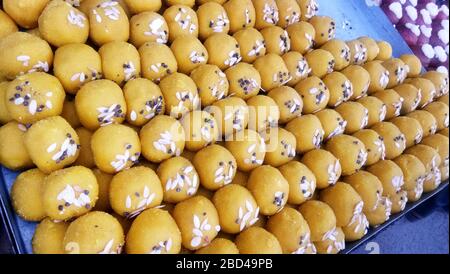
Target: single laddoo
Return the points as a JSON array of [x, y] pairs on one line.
[[301, 180], [377, 109], [302, 36], [315, 94], [426, 120], [309, 8], [381, 213], [440, 144], [231, 114], [144, 101], [69, 192], [273, 71], [392, 100], [431, 159], [26, 195], [289, 12], [325, 28], [236, 207], [155, 232], [374, 143], [13, 153], [394, 140], [411, 128], [135, 190], [350, 151], [298, 67], [276, 40], [325, 166], [320, 61], [241, 14], [251, 43], [100, 103], [179, 179], [345, 202], [385, 52], [291, 230], [440, 111], [29, 19], [390, 176], [52, 144], [267, 13], [76, 65], [332, 243], [248, 148], [411, 97], [148, 26], [120, 62], [360, 79], [340, 51], [308, 132], [263, 113], [211, 82], [340, 87], [61, 24], [369, 188], [280, 147], [379, 76], [398, 71], [414, 64], [355, 114], [244, 80], [270, 189], [212, 19], [198, 221], [115, 148], [289, 102], [200, 128], [221, 166], [189, 52], [34, 96], [181, 20], [101, 226], [108, 22], [372, 47], [320, 218], [180, 94], [358, 52], [332, 123], [157, 61], [162, 138], [48, 237], [224, 50], [414, 175]]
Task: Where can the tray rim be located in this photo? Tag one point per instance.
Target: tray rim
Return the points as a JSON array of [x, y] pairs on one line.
[[8, 220]]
